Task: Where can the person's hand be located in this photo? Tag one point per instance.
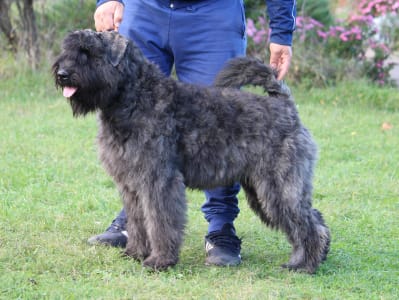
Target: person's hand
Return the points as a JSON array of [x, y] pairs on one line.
[[108, 16], [280, 59]]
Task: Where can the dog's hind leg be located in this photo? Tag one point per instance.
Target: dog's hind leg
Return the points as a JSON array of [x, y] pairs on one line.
[[254, 203], [309, 237], [138, 245], [165, 217], [286, 205]]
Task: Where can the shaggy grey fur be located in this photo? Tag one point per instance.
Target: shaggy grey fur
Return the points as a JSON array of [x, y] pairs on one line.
[[158, 136]]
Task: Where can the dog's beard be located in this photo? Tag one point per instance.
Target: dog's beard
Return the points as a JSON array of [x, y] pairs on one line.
[[82, 101], [86, 101], [79, 107]]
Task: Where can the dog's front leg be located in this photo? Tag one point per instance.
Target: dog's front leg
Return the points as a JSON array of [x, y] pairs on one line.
[[138, 245], [165, 218]]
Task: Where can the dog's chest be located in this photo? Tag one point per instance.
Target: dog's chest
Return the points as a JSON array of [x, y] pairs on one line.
[[112, 153], [121, 158]]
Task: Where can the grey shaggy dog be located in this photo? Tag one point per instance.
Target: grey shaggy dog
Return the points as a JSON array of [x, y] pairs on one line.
[[158, 136]]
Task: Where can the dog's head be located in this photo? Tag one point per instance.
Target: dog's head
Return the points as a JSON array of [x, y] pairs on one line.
[[89, 68]]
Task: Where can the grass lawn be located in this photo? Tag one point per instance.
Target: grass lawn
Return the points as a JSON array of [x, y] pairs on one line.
[[54, 194]]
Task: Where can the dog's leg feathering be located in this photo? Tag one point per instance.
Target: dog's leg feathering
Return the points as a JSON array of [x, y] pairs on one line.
[[165, 218], [138, 245]]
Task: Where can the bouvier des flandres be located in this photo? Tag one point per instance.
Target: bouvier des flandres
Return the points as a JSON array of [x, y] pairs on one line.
[[158, 136]]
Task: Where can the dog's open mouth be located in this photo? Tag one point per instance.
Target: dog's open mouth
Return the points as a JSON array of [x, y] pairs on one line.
[[69, 91]]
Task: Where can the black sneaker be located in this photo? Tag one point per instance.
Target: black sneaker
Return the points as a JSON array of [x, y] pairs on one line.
[[115, 235], [223, 247]]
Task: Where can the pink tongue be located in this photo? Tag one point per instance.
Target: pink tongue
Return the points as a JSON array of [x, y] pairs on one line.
[[68, 91]]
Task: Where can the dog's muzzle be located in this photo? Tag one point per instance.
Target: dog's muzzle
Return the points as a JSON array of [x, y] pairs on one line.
[[63, 79]]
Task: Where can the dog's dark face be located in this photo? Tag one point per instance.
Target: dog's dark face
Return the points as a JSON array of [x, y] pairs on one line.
[[86, 68]]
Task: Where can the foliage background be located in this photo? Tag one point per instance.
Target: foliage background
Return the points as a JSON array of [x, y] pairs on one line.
[[317, 60], [328, 47]]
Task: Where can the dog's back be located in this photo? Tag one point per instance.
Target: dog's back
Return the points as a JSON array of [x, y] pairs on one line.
[[243, 71]]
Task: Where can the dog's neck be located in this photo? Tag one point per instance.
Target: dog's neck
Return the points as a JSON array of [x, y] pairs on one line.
[[128, 114]]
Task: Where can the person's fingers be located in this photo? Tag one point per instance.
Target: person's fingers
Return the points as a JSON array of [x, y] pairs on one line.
[[280, 59], [274, 60], [103, 20], [108, 16], [283, 68], [118, 15]]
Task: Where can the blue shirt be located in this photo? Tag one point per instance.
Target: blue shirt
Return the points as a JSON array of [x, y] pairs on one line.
[[282, 15]]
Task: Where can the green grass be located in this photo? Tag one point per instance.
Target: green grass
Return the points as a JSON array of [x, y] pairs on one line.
[[54, 194]]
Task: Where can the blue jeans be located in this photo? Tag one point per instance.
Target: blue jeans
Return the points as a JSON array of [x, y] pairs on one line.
[[197, 37]]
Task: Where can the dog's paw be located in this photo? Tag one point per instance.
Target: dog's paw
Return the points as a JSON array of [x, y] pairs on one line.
[[135, 254], [157, 263], [300, 268]]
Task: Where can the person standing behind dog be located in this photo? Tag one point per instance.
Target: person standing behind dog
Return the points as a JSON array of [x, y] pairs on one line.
[[198, 37]]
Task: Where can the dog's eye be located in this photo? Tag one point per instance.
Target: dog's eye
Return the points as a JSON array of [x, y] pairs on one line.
[[83, 56]]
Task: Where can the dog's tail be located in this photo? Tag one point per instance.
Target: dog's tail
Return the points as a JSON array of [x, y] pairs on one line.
[[243, 71]]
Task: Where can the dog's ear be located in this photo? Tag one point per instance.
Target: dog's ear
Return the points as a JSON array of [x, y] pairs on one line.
[[117, 47]]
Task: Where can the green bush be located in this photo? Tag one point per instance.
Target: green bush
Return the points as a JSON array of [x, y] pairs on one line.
[[53, 20], [60, 17], [254, 8], [316, 9]]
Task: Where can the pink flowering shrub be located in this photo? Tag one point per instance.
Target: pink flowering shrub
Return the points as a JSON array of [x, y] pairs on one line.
[[377, 8], [347, 39], [257, 37], [325, 54], [376, 67]]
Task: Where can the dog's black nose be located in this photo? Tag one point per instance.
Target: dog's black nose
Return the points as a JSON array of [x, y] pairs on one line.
[[62, 75]]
